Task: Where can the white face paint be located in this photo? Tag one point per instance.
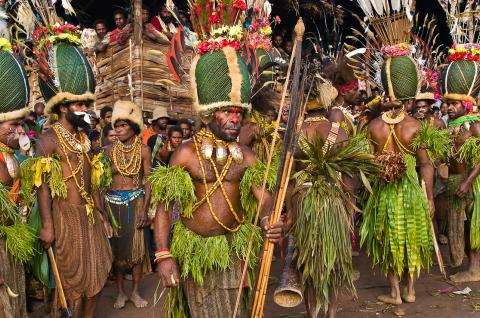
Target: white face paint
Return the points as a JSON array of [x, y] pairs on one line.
[[24, 142], [86, 117]]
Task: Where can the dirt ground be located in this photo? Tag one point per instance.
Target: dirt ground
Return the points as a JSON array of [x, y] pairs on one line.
[[434, 297]]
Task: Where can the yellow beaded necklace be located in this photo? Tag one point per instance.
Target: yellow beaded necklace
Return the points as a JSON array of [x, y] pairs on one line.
[[131, 167], [218, 183], [70, 143]]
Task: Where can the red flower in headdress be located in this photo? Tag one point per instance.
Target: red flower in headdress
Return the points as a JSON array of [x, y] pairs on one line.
[[240, 5]]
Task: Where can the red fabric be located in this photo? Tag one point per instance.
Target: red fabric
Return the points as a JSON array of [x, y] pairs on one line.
[[156, 23], [115, 35]]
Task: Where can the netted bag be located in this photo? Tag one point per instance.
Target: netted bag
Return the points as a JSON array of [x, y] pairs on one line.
[[400, 78]]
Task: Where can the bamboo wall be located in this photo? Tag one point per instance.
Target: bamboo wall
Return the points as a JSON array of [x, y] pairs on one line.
[[141, 73]]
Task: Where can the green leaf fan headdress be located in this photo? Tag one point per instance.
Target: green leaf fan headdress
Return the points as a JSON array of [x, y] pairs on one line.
[[461, 79], [15, 87], [64, 73], [220, 77]]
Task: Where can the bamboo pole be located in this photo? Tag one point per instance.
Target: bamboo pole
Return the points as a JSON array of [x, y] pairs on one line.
[[286, 164], [264, 182], [58, 283]]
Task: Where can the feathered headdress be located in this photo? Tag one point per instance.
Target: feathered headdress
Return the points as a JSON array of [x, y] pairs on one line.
[[218, 73], [461, 79], [64, 74], [388, 23]]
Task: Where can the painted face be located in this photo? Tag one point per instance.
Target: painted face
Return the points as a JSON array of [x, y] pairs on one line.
[[123, 131], [10, 132], [351, 97], [176, 139], [187, 133], [455, 109], [227, 122], [120, 20], [101, 30]]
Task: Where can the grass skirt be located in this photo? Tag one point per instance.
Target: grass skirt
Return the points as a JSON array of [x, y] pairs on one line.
[[198, 256], [396, 228], [322, 236]]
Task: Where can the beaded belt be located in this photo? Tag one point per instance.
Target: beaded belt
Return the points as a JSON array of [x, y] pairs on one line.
[[123, 197]]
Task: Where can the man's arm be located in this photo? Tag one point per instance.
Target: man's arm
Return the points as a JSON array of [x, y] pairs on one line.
[[467, 184], [274, 232], [45, 147], [147, 170], [426, 173], [167, 268]]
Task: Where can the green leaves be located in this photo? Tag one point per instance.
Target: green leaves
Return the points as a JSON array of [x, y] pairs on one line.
[[396, 228], [173, 184], [436, 141]]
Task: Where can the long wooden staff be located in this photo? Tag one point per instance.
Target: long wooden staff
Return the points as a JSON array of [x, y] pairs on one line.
[[58, 284], [434, 238], [295, 120], [269, 161]]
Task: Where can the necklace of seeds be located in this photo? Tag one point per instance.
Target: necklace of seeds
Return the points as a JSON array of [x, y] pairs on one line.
[[130, 168], [70, 143]]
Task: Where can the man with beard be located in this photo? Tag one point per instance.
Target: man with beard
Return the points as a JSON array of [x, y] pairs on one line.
[[463, 186], [68, 177], [159, 125], [164, 22], [217, 192], [129, 200], [20, 247]]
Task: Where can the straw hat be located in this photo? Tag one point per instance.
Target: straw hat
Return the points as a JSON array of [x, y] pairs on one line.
[[159, 112]]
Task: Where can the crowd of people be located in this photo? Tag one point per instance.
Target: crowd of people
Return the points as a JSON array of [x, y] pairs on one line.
[[87, 195]]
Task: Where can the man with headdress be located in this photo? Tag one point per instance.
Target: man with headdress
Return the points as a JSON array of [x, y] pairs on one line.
[[67, 175], [16, 238], [128, 199], [344, 80], [322, 203], [396, 228], [435, 127], [461, 81], [217, 185]]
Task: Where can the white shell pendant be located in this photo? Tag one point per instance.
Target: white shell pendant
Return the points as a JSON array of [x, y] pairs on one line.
[[221, 153], [236, 152], [206, 148]]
